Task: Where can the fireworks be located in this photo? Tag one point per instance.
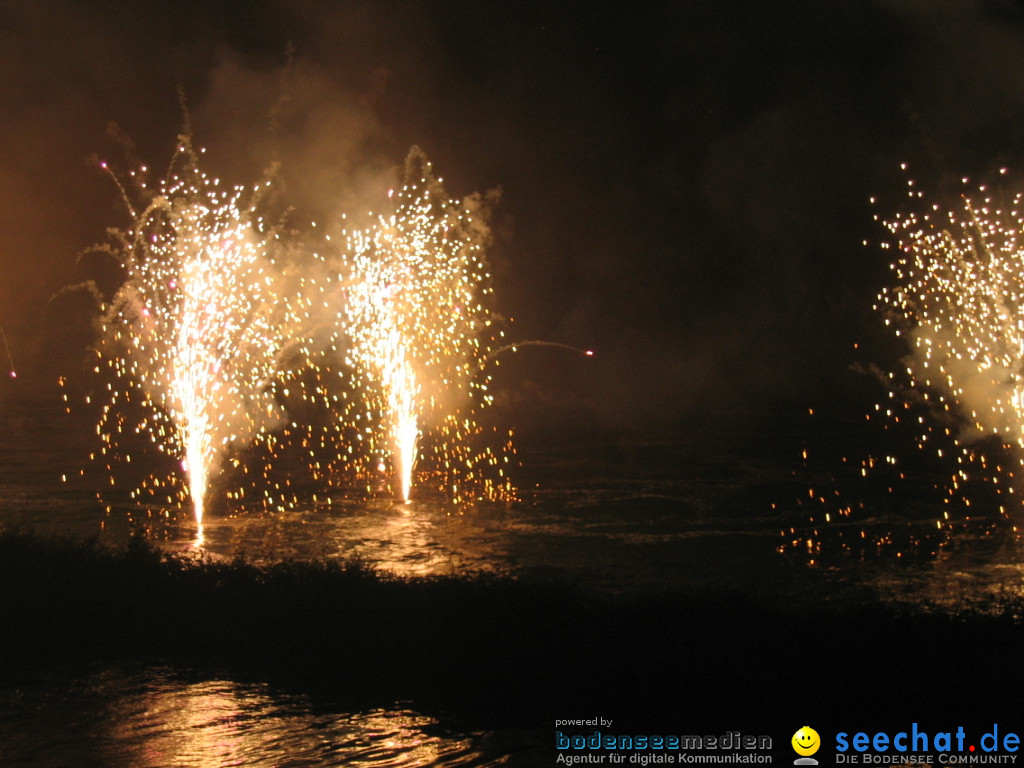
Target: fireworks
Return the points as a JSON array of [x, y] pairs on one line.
[[959, 302], [201, 323], [212, 334], [953, 418], [415, 313]]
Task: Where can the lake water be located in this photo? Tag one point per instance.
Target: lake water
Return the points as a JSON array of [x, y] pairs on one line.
[[623, 514], [157, 717]]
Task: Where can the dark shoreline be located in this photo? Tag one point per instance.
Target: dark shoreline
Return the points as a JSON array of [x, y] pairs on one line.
[[491, 651]]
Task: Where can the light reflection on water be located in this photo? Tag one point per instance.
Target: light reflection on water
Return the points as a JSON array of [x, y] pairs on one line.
[[153, 718], [620, 516], [609, 533]]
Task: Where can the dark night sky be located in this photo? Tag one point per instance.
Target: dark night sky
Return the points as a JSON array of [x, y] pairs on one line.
[[685, 185]]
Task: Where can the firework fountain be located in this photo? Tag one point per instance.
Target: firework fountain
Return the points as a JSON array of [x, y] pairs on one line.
[[415, 314], [958, 300], [201, 324], [215, 324], [952, 420]]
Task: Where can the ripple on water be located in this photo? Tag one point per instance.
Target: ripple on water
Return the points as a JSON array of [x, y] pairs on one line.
[[153, 718]]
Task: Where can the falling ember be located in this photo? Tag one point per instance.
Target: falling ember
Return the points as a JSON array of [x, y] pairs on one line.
[[201, 322]]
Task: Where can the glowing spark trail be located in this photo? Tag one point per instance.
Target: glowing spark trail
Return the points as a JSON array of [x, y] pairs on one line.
[[201, 322], [515, 347], [10, 360]]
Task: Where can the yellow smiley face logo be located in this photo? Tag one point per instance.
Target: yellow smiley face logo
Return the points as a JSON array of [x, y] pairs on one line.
[[806, 741]]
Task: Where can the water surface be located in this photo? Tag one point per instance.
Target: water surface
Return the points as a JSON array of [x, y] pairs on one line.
[[622, 514], [155, 717]]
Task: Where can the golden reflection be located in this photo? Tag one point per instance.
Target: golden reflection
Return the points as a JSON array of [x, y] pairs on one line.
[[170, 722], [417, 538]]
